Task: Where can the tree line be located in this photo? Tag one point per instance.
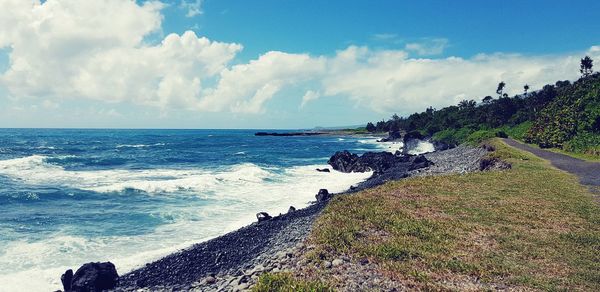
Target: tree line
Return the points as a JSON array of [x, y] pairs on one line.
[[550, 117]]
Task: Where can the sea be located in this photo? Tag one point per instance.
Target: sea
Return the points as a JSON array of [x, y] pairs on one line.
[[71, 196]]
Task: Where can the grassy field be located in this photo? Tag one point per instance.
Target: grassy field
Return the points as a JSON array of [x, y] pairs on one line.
[[531, 228]]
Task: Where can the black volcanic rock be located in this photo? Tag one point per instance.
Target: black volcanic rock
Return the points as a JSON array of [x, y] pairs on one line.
[[378, 162], [323, 195], [263, 216], [93, 277]]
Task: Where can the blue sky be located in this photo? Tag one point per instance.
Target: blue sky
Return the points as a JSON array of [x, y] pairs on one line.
[[275, 63]]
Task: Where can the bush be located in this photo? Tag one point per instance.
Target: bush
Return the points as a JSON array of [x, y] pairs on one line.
[[482, 135], [452, 136], [587, 143], [518, 131]]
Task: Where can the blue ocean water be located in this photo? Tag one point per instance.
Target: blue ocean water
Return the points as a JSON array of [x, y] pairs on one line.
[[72, 196]]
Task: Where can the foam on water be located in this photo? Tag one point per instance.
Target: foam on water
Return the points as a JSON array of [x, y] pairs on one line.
[[234, 195]]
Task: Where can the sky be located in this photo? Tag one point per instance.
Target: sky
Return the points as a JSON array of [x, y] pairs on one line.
[[275, 64]]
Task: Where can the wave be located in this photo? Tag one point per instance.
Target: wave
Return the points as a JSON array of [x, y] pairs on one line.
[[36, 170], [232, 196], [139, 145]]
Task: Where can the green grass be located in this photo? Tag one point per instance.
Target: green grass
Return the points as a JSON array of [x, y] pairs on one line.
[[532, 227], [286, 282], [582, 156]]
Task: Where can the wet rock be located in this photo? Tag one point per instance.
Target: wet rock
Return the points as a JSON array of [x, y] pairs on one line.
[[66, 279], [323, 170], [378, 162], [493, 163], [263, 216], [95, 277], [323, 195], [392, 136]]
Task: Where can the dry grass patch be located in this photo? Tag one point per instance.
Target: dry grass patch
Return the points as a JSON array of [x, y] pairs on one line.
[[529, 228]]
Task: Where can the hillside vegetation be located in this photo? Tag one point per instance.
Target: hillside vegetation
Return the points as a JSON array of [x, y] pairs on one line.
[[564, 116]]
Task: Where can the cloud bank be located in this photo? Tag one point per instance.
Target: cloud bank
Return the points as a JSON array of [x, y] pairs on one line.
[[63, 50]]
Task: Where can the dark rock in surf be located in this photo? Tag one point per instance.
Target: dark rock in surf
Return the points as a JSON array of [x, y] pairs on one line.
[[392, 136], [94, 277], [378, 162], [323, 170], [66, 280], [263, 216], [323, 195]]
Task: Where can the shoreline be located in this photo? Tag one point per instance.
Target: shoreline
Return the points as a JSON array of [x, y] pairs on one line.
[[233, 261]]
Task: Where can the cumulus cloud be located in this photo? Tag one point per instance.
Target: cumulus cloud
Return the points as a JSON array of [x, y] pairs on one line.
[[73, 49], [95, 50]]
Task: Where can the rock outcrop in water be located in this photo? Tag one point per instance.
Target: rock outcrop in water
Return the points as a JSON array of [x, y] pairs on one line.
[[91, 277], [378, 162]]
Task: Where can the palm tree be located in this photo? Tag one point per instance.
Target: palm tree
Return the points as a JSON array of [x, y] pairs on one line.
[[500, 88], [586, 66]]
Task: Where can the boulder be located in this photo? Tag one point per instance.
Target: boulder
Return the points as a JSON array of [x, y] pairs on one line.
[[93, 277], [392, 136], [66, 279], [323, 169], [323, 195], [492, 163], [345, 161], [292, 209], [263, 216]]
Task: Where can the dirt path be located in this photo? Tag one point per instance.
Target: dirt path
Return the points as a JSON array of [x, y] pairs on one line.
[[587, 172]]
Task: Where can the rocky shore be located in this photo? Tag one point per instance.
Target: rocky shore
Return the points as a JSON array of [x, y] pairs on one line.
[[234, 261]]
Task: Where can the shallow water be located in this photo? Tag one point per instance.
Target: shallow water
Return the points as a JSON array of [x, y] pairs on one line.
[[130, 196]]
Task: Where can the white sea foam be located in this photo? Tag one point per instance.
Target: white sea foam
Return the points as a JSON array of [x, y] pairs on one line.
[[235, 194], [139, 145]]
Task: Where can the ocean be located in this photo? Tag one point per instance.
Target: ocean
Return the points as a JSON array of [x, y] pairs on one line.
[[70, 196]]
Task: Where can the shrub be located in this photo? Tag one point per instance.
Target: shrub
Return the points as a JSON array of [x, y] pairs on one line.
[[586, 142]]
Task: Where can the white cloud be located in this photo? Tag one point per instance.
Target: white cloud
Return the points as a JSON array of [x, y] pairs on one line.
[[389, 81], [246, 87], [193, 7], [95, 50], [309, 96], [428, 47], [72, 49]]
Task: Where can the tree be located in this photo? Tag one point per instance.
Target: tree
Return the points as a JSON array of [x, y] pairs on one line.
[[488, 99], [370, 127], [500, 88], [526, 88], [586, 66]]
